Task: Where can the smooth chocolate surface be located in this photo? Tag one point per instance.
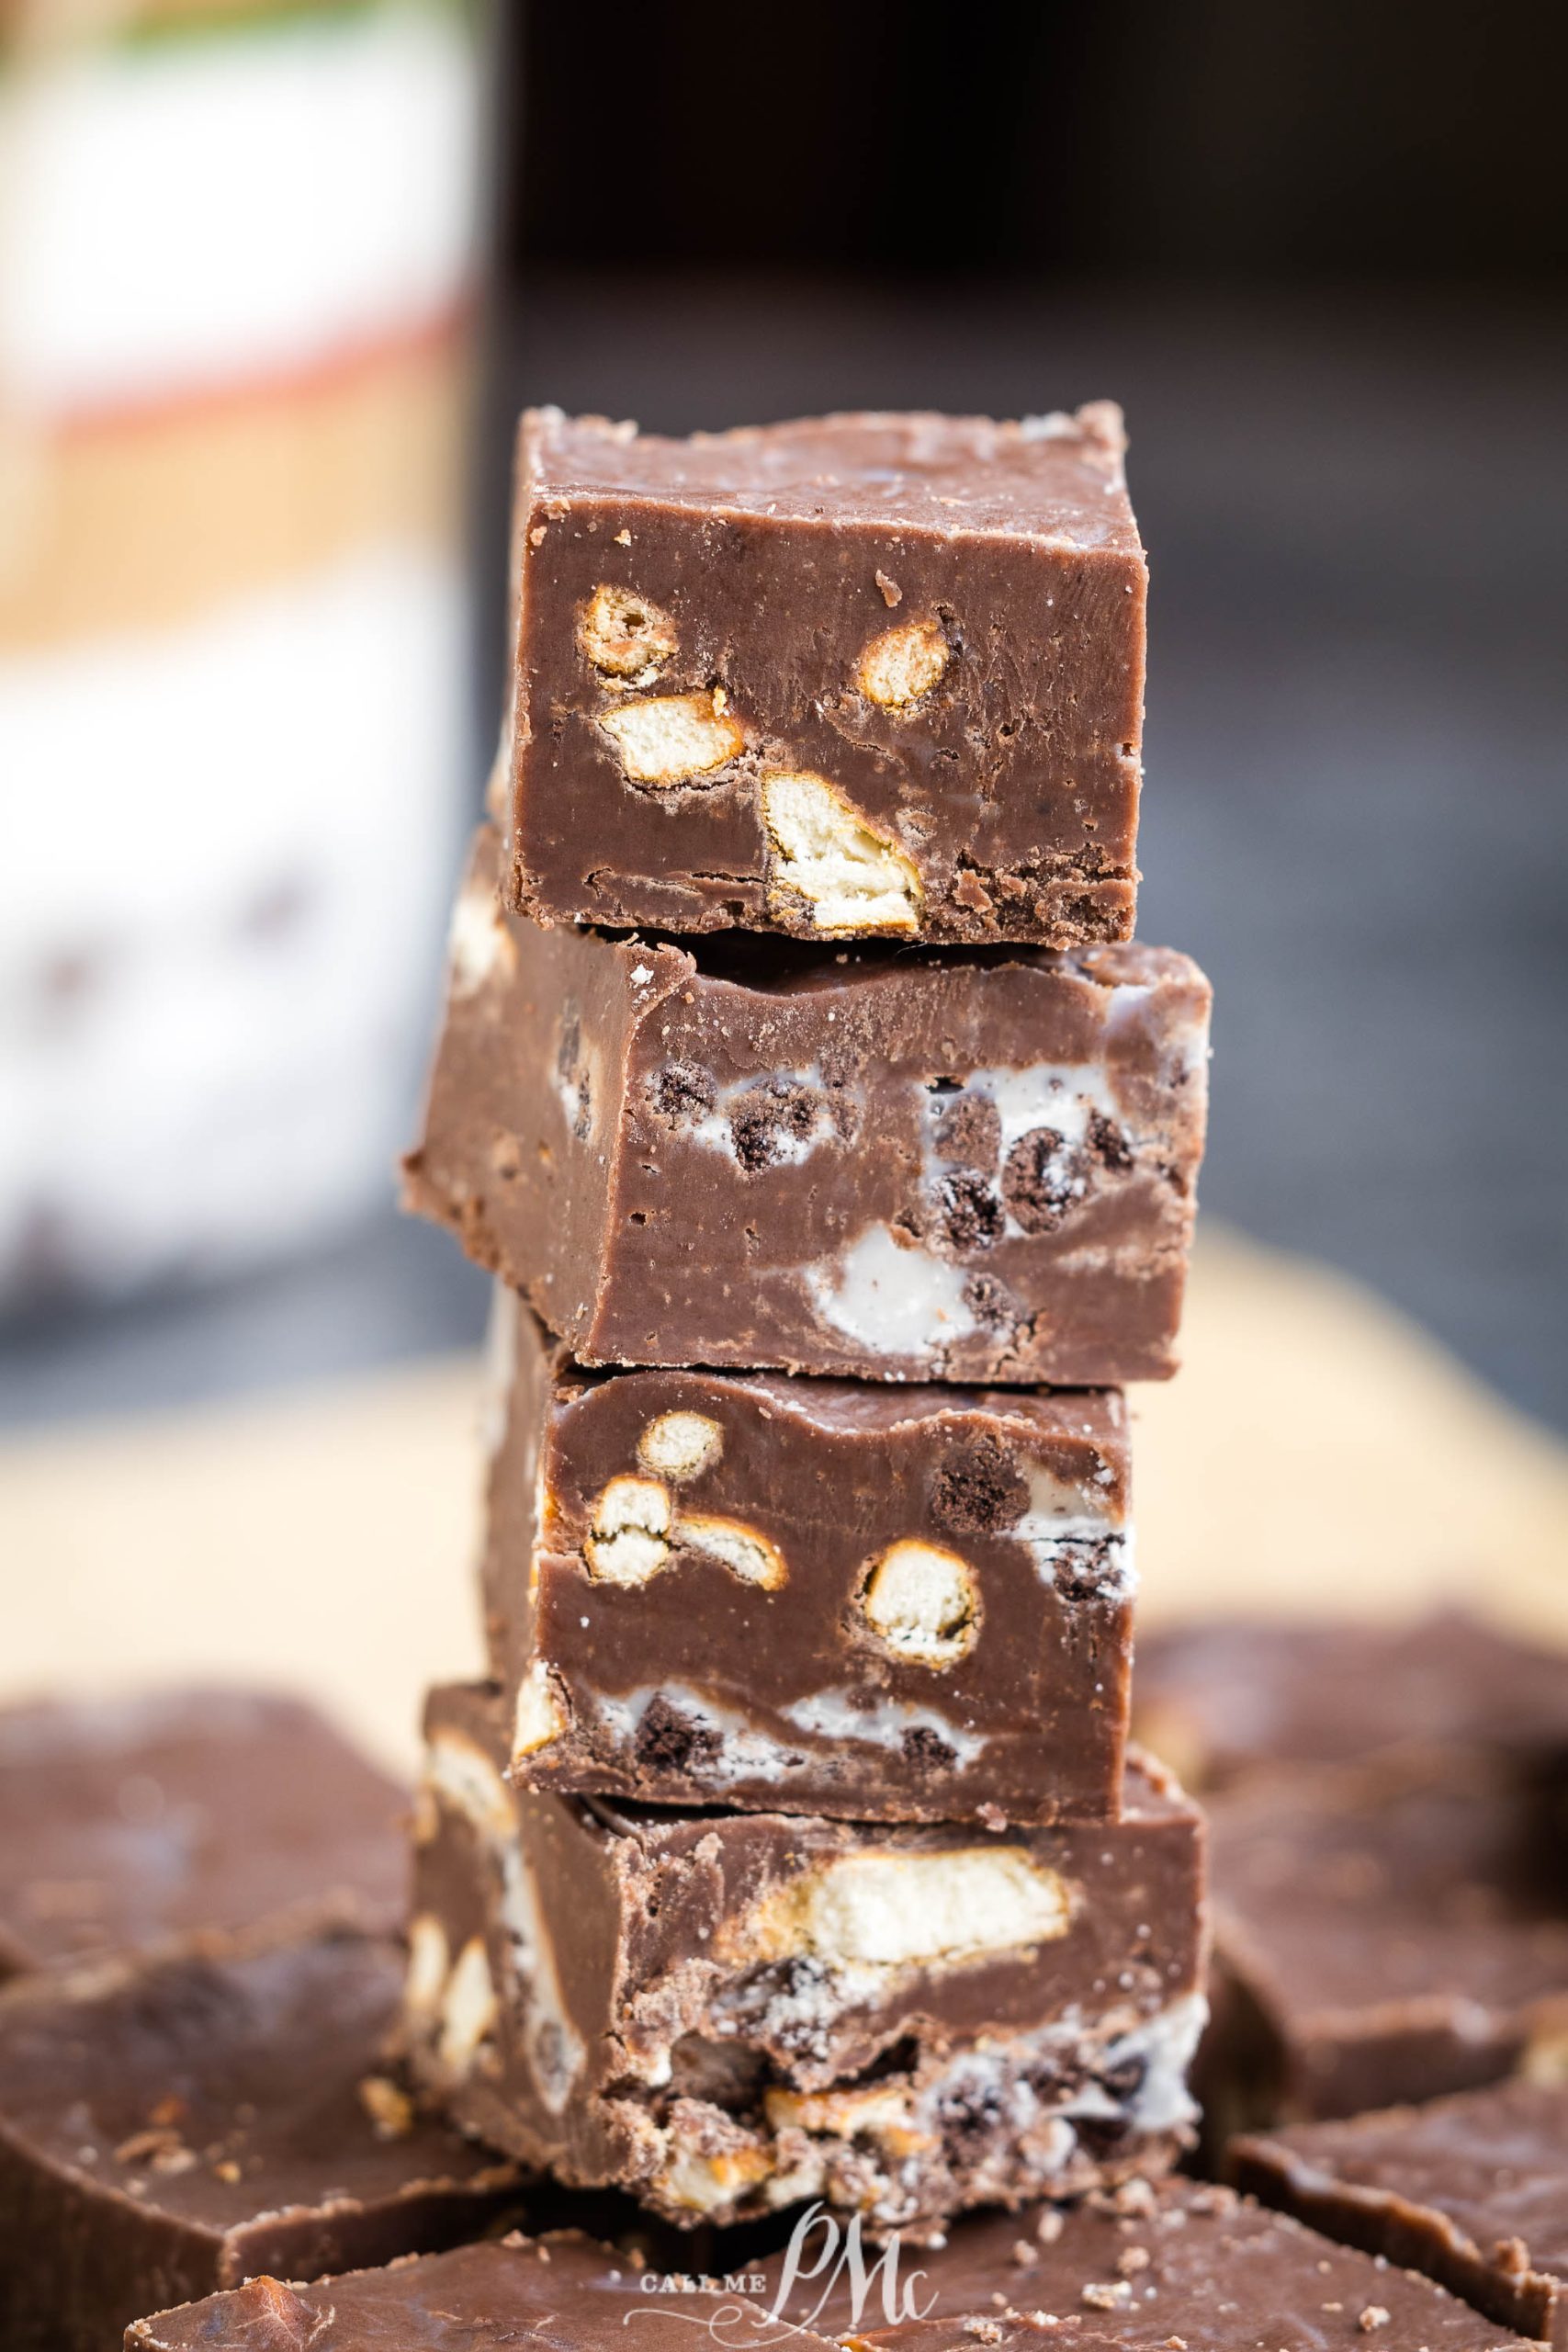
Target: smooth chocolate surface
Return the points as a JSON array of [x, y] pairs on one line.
[[126, 1822], [813, 1596], [561, 2293], [855, 674], [974, 1166], [1472, 2190], [1227, 1697], [726, 2013], [1147, 2269], [171, 2126], [1378, 1940]]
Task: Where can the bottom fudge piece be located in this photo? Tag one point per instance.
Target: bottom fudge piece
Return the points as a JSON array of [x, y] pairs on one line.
[[561, 2293], [1472, 2190], [1230, 1696], [1377, 1942], [125, 1822], [1143, 2267], [173, 2125], [727, 2013]]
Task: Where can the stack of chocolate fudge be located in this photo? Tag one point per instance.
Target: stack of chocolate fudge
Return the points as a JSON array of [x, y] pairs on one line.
[[835, 1148]]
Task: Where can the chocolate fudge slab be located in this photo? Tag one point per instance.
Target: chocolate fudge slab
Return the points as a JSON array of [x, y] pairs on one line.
[[976, 1166], [127, 1822], [915, 1603], [1227, 1697], [561, 2293], [1144, 2268], [858, 673], [1472, 2190], [726, 2013], [173, 2125], [1377, 1942]]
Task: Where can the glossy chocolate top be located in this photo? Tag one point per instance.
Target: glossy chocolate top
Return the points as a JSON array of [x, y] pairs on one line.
[[1491, 2166], [511, 2295], [1340, 1897], [218, 2090], [1226, 1696], [1182, 2266], [1056, 477], [124, 1822]]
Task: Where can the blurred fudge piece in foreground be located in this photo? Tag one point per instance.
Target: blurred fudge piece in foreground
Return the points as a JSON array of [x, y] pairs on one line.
[[965, 1166], [1142, 2272], [172, 2125], [853, 674], [560, 2293], [1227, 1696], [729, 2013], [916, 1602], [1145, 2268], [1379, 1939], [1472, 2190], [126, 1822]]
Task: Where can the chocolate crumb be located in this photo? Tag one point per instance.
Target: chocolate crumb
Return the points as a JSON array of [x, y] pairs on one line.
[[769, 1117], [1042, 1177], [668, 1741], [682, 1090], [979, 1488], [926, 1750], [971, 1211]]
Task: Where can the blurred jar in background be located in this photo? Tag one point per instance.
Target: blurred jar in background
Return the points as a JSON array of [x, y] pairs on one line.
[[235, 257]]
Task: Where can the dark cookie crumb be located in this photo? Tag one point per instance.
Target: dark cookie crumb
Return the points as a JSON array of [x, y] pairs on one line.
[[668, 1741], [971, 1215], [769, 1116], [684, 1091], [1108, 1144], [979, 1488], [926, 1750], [1043, 1176], [991, 1303]]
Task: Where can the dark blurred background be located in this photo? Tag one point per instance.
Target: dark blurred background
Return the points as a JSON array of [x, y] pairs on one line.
[[1317, 252]]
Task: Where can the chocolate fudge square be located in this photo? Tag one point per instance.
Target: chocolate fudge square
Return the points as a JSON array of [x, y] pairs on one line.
[[855, 674], [173, 2125], [1224, 1699], [967, 1165], [1472, 2190], [916, 1603], [560, 2293], [1378, 1940], [1172, 2267], [127, 1822], [728, 2013]]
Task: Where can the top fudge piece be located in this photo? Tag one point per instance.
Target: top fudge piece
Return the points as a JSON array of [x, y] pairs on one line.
[[857, 674], [1230, 1697], [127, 1822], [974, 1165], [1472, 2190]]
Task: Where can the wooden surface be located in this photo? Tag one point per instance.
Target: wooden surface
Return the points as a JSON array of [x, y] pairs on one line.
[[1316, 1454]]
